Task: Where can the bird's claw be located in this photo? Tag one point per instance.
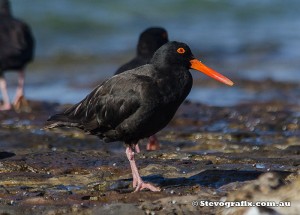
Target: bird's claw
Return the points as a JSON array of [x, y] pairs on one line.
[[142, 185]]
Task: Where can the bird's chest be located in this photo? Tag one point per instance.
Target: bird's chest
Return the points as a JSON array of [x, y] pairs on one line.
[[175, 89]]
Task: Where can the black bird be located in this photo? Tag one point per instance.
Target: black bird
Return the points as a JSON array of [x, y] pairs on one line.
[[17, 49], [150, 40], [138, 103]]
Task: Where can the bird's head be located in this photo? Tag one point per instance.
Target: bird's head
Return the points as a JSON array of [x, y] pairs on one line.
[[176, 54], [150, 40]]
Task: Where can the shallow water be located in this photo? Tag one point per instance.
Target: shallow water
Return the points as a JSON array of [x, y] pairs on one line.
[[81, 43]]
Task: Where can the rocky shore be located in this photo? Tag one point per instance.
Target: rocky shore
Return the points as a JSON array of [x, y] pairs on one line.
[[248, 152]]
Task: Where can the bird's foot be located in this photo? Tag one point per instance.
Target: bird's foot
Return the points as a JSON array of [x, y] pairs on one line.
[[5, 107], [142, 185], [153, 144], [21, 104]]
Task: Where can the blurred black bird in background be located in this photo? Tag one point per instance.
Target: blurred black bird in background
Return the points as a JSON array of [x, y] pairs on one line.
[[137, 103], [16, 51], [149, 41]]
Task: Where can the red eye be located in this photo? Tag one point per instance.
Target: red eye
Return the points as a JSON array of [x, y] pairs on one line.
[[180, 50]]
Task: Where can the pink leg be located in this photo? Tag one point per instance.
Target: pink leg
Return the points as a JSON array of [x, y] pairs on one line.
[[137, 180], [134, 177], [130, 155], [20, 89], [6, 103], [153, 143], [137, 148]]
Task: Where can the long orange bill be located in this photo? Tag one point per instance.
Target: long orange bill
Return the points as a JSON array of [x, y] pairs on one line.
[[197, 65]]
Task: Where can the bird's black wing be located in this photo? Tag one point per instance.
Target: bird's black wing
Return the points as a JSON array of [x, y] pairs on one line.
[[110, 109]]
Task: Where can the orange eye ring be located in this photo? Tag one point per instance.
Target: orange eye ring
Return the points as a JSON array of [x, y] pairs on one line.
[[180, 50]]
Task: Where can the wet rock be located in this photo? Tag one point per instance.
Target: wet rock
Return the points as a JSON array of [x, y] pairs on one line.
[[118, 209], [6, 155], [175, 205], [268, 188], [112, 185], [244, 152]]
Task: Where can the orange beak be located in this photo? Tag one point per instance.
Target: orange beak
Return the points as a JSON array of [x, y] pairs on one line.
[[197, 65]]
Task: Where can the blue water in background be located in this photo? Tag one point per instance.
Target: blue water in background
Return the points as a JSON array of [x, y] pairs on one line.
[[82, 42]]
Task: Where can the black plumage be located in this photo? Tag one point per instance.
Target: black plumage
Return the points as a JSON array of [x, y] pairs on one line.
[[17, 49], [149, 41], [139, 102]]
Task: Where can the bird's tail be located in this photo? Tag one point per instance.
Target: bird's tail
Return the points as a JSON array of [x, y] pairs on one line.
[[61, 120]]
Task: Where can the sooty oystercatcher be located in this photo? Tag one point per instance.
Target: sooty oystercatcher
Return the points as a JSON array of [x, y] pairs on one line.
[[138, 103], [16, 50], [150, 40]]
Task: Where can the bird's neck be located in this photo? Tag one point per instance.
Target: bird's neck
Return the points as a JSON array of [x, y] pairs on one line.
[[145, 55]]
